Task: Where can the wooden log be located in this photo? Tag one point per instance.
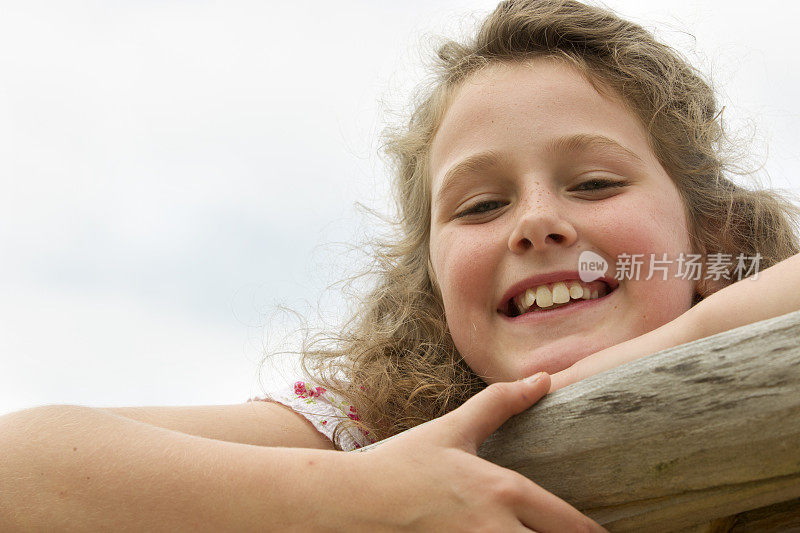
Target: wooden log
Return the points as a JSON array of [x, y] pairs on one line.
[[674, 440], [687, 435]]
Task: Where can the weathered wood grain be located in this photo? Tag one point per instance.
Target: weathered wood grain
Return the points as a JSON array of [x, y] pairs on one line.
[[697, 432], [674, 440]]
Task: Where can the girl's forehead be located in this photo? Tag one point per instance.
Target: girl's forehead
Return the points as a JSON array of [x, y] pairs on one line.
[[519, 108], [533, 72]]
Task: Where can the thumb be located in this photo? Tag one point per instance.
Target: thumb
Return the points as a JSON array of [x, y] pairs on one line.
[[484, 413]]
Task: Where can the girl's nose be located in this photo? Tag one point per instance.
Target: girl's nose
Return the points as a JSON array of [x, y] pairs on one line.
[[539, 229]]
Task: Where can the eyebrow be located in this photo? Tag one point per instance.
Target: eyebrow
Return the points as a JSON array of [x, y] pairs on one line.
[[581, 142]]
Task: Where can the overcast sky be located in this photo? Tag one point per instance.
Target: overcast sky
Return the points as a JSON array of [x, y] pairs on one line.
[[171, 171]]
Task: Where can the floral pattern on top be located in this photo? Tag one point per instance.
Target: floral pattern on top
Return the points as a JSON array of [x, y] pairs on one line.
[[321, 408]]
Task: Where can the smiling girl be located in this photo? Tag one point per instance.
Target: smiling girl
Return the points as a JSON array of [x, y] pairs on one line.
[[559, 129]]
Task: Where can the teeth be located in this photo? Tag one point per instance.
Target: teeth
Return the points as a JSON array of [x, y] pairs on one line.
[[575, 290], [528, 298], [561, 293], [543, 296]]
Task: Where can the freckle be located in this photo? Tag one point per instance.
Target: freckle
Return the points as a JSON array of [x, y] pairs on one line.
[[311, 463], [74, 449], [87, 477]]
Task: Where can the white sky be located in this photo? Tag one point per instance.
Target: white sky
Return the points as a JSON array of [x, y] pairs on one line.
[[172, 170]]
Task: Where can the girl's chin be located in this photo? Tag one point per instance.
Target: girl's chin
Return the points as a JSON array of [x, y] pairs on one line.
[[555, 358]]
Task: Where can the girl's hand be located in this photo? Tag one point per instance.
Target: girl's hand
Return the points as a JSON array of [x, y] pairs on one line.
[[430, 478]]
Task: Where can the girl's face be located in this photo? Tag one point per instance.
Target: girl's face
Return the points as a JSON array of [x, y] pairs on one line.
[[532, 209]]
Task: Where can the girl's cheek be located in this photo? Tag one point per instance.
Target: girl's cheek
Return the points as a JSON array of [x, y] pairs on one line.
[[467, 262], [466, 268], [628, 228]]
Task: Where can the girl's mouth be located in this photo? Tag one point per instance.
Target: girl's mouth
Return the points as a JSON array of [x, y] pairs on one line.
[[555, 299]]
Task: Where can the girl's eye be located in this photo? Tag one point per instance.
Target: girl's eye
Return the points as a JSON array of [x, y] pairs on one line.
[[482, 207], [596, 184]]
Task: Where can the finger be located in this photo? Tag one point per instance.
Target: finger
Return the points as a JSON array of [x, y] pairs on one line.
[[565, 377], [484, 413], [545, 512]]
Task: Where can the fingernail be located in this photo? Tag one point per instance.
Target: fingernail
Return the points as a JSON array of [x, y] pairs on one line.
[[534, 378]]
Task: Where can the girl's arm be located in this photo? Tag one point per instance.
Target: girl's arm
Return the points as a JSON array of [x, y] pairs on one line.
[[74, 468], [83, 469], [259, 423], [772, 293]]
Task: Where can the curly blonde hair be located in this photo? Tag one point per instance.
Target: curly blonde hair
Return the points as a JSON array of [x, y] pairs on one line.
[[394, 360]]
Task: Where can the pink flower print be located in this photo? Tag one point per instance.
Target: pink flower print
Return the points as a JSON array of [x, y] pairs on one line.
[[324, 422], [300, 389], [353, 413]]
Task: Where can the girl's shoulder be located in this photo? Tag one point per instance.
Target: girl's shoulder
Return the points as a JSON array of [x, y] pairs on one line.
[[323, 408]]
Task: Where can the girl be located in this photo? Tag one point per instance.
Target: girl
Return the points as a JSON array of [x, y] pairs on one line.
[[558, 131], [516, 163]]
